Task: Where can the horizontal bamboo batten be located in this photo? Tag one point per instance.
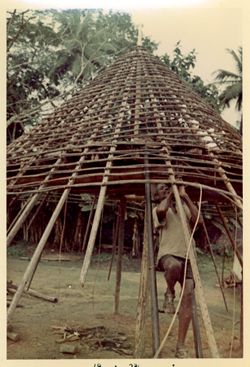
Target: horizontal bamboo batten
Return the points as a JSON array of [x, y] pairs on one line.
[[151, 104]]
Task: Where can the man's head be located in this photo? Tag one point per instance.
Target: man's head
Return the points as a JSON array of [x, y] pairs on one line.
[[162, 190]]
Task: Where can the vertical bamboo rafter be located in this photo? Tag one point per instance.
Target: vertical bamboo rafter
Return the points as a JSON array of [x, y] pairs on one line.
[[101, 198], [151, 262], [142, 296], [25, 166], [148, 214], [199, 289], [30, 204], [122, 214]]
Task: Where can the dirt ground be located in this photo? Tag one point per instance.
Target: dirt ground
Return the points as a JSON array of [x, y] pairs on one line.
[[37, 321]]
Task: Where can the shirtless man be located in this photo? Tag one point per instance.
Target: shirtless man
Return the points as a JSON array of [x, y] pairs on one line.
[[172, 254]]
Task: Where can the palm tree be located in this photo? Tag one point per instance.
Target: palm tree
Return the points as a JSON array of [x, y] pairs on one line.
[[232, 83]]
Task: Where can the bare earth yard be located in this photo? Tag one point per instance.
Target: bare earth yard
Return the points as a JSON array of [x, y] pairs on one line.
[[93, 306]]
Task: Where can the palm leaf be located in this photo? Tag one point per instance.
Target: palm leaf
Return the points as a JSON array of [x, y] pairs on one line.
[[231, 81], [230, 93], [237, 58], [223, 75]]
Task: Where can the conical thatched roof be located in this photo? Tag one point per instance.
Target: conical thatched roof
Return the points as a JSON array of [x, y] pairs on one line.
[[133, 109]]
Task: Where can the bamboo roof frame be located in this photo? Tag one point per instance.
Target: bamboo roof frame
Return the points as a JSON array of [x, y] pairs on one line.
[[200, 142], [97, 141]]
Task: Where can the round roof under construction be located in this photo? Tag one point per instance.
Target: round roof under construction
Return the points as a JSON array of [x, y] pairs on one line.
[[136, 121]]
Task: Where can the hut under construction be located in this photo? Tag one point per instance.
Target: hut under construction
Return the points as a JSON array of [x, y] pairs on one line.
[[135, 125]]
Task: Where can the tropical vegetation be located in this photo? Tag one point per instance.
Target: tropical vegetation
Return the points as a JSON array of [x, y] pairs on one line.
[[231, 83], [52, 53]]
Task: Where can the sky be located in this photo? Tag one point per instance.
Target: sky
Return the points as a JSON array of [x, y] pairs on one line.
[[210, 32], [208, 26]]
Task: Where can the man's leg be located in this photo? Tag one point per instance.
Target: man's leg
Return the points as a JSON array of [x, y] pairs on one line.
[[185, 315], [172, 270]]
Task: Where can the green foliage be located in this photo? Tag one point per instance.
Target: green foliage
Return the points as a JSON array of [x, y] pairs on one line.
[[180, 63], [149, 45], [231, 83], [52, 52], [183, 66], [87, 202], [209, 92], [18, 249], [28, 63]]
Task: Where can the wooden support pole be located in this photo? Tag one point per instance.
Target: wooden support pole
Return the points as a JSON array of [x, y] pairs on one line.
[[241, 311], [153, 287], [19, 222], [239, 220], [223, 264], [37, 254], [31, 268], [238, 254], [23, 216], [120, 254], [142, 298], [215, 267], [198, 285], [115, 238], [101, 199], [29, 206], [227, 182], [89, 224], [196, 330], [93, 234], [37, 211]]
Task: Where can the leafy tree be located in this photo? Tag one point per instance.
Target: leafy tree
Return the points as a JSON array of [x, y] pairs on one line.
[[28, 63], [232, 83], [50, 53], [183, 66], [91, 40]]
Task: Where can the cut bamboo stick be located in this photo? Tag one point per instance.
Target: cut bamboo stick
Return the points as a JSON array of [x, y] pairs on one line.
[[142, 298], [29, 272], [69, 348], [13, 288], [13, 336]]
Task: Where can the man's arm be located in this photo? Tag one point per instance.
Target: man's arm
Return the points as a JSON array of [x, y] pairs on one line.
[[162, 208], [193, 209]]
